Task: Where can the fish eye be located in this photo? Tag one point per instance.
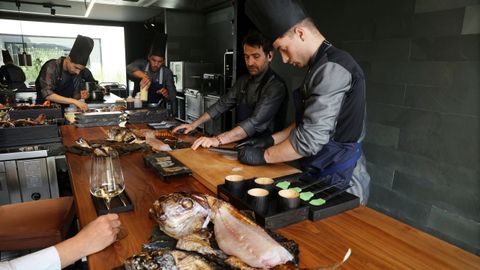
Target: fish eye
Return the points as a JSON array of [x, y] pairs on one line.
[[187, 203]]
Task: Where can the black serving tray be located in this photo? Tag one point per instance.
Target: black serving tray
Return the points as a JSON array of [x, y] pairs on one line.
[[340, 203], [29, 135], [274, 217], [118, 204], [151, 161], [50, 113]]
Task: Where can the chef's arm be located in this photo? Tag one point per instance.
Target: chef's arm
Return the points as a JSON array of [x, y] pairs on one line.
[[281, 152], [233, 135], [65, 100], [283, 134]]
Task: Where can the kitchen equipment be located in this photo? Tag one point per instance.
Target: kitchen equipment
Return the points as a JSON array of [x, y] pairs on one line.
[[212, 83], [7, 96], [214, 126], [180, 107], [228, 70], [189, 74], [193, 105]]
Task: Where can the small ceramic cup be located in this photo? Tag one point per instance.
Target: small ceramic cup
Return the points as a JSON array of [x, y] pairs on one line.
[[288, 199], [258, 199], [265, 183], [234, 183]]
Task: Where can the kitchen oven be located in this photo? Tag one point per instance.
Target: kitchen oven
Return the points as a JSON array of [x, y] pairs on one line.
[[193, 105], [189, 74]]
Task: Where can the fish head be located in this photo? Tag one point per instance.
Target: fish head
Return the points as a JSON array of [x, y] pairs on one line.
[[180, 213]]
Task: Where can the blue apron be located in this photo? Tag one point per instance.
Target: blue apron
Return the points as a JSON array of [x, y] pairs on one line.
[[243, 111], [335, 160]]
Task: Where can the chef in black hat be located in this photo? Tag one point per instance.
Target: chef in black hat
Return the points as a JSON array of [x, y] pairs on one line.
[[330, 104], [60, 79], [11, 75], [153, 74]]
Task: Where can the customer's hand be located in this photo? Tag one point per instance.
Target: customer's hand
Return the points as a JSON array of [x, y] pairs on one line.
[[205, 142], [183, 128], [100, 233], [252, 156], [258, 142]]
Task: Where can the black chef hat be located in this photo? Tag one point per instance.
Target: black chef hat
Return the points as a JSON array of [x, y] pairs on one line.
[[81, 50], [159, 45], [7, 58], [274, 17]]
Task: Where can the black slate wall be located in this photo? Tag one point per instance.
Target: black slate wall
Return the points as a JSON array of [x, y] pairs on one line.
[[421, 59]]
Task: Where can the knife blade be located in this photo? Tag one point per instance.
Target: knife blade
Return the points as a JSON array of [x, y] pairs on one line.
[[226, 151]]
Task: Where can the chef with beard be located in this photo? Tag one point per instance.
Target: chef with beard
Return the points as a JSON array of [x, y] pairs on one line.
[[60, 79], [258, 98], [152, 74]]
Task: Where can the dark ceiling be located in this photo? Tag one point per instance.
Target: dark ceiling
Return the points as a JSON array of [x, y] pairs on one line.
[[110, 10]]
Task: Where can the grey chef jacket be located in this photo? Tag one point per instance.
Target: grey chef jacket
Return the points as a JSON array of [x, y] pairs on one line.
[[167, 78], [266, 101], [334, 102]]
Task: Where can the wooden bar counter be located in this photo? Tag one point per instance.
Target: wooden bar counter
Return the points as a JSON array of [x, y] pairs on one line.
[[377, 241]]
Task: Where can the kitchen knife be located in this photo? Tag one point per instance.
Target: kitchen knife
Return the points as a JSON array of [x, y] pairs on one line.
[[226, 151]]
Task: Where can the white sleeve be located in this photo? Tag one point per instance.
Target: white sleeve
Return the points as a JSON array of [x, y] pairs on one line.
[[45, 259]]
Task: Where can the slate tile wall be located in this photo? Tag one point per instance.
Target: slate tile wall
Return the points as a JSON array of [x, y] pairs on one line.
[[422, 64]]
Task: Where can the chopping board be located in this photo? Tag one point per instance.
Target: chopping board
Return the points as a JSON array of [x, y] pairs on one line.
[[210, 168]]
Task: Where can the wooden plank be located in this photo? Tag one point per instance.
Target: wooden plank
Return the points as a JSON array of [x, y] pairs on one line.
[[210, 168]]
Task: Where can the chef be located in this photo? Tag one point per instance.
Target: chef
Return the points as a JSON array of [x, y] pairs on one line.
[[153, 74], [330, 104], [60, 79], [11, 75], [257, 97]]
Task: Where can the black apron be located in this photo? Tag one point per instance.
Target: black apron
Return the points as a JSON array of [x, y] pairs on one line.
[[335, 160], [243, 111], [64, 87]]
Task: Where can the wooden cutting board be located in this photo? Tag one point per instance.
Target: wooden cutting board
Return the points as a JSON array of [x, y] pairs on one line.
[[210, 168]]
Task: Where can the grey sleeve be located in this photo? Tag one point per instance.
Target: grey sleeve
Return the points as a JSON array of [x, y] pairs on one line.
[[170, 84], [225, 103], [138, 64], [326, 90], [265, 109]]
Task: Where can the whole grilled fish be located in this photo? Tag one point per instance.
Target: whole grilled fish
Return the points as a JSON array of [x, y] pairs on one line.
[[168, 259], [180, 214]]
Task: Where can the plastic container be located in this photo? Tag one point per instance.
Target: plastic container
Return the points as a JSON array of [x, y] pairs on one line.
[[137, 102]]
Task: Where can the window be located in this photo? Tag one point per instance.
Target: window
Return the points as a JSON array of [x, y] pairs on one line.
[[46, 41]]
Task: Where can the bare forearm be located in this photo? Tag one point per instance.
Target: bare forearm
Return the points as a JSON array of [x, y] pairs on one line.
[[233, 135], [281, 152], [139, 74], [283, 134], [202, 119], [61, 99]]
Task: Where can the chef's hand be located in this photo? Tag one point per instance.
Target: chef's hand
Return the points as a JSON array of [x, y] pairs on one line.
[[84, 94], [205, 142], [81, 105], [183, 128], [252, 156], [163, 92], [259, 142], [144, 82]]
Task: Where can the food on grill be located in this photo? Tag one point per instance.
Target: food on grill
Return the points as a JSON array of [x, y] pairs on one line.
[[40, 120]]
